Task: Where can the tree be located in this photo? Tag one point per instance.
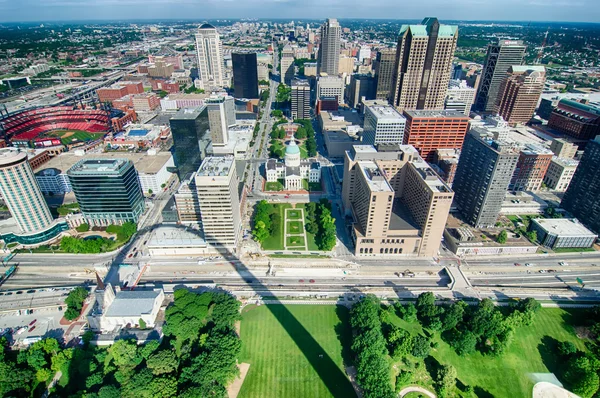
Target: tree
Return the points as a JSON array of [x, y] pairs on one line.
[[445, 379], [74, 302], [83, 227], [260, 232], [463, 342], [150, 192], [142, 323], [532, 236], [502, 236], [300, 133], [421, 346], [109, 391], [164, 361]]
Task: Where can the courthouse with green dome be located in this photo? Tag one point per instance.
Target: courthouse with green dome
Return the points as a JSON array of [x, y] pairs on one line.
[[293, 169]]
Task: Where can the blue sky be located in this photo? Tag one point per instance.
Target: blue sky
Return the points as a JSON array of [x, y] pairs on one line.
[[519, 10]]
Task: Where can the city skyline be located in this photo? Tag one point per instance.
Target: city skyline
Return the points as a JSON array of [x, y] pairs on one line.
[[474, 10]]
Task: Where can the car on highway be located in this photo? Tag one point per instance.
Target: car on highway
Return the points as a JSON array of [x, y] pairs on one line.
[[32, 322], [312, 281], [301, 280], [528, 265], [130, 255], [287, 196], [562, 263], [517, 265], [31, 329], [542, 271]]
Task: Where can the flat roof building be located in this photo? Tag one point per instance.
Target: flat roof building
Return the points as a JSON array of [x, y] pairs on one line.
[[331, 86], [431, 130], [190, 129], [300, 99], [398, 203], [520, 92], [384, 72], [108, 191], [576, 119], [383, 124], [531, 168], [560, 173], [562, 232]]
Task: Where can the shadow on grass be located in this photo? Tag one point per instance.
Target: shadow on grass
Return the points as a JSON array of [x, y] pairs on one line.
[[343, 333], [330, 374], [481, 392], [548, 349]]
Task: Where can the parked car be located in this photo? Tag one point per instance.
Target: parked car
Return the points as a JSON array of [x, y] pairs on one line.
[[32, 322]]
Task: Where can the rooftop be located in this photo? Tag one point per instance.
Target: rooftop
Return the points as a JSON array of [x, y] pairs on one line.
[[436, 114], [525, 68], [98, 166], [386, 113], [563, 226], [188, 113], [11, 155], [133, 303], [374, 177], [216, 166], [143, 163], [165, 237]]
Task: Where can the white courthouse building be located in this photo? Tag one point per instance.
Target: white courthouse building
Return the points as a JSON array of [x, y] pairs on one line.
[[293, 170]]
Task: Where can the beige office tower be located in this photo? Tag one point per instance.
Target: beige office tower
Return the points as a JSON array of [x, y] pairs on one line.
[[346, 65], [398, 203], [210, 56], [218, 197], [520, 92], [423, 65], [329, 48], [186, 202], [221, 116], [287, 64], [21, 192]]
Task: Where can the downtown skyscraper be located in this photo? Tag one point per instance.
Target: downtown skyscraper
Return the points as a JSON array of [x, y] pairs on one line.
[[329, 49], [210, 56], [500, 56], [423, 64]]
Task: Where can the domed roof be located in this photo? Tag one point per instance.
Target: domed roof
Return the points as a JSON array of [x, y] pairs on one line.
[[292, 148], [206, 26]]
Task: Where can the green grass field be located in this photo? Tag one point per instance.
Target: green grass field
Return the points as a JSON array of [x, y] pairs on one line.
[[78, 135], [295, 351], [294, 215], [294, 241], [510, 374], [274, 186], [311, 243], [294, 227]]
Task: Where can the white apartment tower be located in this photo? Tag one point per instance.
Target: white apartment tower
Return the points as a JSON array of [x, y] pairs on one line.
[[210, 56]]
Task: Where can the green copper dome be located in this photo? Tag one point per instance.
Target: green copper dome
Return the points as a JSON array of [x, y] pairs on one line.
[[292, 148]]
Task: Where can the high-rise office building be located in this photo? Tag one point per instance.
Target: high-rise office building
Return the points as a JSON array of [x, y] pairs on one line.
[[190, 130], [331, 86], [384, 71], [245, 75], [383, 124], [221, 116], [287, 64], [217, 191], [500, 56], [581, 198], [484, 171], [460, 96], [108, 191], [300, 99], [398, 203], [360, 86], [431, 130], [520, 92], [210, 56], [329, 49], [21, 192], [531, 168], [423, 64]]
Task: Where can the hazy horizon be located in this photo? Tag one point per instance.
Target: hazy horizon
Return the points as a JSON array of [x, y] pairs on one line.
[[583, 11]]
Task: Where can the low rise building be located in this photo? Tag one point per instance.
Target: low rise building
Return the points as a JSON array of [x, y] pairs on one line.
[[531, 168], [138, 136], [559, 173], [562, 232], [338, 142], [563, 149]]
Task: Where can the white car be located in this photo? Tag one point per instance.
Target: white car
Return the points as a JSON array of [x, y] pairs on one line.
[[528, 265], [562, 263]]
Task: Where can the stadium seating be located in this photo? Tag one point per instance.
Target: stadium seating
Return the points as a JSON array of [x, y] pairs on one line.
[[30, 124]]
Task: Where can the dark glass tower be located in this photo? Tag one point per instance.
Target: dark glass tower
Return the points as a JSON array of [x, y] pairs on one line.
[[108, 190], [581, 198], [191, 137], [245, 75]]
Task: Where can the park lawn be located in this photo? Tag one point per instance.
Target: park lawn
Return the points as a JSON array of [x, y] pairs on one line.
[[293, 215], [275, 242], [509, 375], [274, 186], [295, 227], [282, 344], [573, 249], [294, 242]]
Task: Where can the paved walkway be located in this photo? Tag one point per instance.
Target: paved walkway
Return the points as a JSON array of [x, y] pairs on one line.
[[418, 389]]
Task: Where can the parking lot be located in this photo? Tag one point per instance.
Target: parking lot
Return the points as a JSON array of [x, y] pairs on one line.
[[40, 323], [32, 299]]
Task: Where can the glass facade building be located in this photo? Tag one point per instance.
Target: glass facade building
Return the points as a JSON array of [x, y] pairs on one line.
[[108, 190], [191, 137], [245, 75]]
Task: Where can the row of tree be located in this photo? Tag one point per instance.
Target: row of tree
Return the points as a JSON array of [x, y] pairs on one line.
[[320, 223], [74, 302], [197, 358], [310, 143], [265, 222]]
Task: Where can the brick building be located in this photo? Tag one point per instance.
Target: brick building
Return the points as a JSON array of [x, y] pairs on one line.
[[119, 90], [531, 168], [520, 92], [576, 119], [431, 130]]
